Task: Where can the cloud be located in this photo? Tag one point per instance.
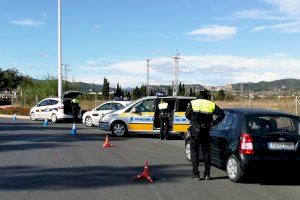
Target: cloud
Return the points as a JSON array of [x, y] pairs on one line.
[[289, 7], [204, 69], [290, 10], [290, 27], [257, 14], [26, 22], [213, 33]]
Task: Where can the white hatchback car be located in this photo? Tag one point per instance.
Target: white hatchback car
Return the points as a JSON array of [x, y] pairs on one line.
[[92, 118], [55, 108]]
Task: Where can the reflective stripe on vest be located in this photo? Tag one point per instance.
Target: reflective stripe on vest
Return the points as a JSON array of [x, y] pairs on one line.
[[203, 106]]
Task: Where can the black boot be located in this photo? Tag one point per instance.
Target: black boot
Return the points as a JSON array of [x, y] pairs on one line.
[[206, 175], [195, 176]]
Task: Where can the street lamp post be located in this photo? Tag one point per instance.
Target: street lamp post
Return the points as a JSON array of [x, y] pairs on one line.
[[59, 51]]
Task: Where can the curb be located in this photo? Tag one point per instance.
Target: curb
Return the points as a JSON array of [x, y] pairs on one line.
[[11, 116]]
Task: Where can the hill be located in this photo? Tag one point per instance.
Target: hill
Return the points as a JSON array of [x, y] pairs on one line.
[[283, 84]]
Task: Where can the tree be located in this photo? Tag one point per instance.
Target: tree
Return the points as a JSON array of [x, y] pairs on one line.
[[170, 90], [10, 79], [119, 93], [220, 95], [151, 93], [105, 89], [143, 91], [181, 89], [136, 92], [191, 92]]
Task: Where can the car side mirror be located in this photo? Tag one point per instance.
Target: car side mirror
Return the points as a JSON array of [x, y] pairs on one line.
[[133, 110]]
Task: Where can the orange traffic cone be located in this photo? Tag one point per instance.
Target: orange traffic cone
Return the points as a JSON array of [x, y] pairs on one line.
[[145, 174], [107, 143]]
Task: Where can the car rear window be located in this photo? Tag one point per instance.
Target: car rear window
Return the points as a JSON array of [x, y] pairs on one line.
[[272, 124]]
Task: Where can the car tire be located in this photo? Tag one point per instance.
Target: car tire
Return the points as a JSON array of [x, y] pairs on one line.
[[119, 129], [54, 118], [188, 151], [234, 170], [88, 121], [32, 116]]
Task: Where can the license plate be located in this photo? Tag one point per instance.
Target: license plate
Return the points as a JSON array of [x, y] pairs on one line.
[[281, 146]]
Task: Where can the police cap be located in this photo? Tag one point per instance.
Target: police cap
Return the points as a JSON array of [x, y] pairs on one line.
[[204, 94]]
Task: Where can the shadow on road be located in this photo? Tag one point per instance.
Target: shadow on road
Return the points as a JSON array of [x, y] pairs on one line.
[[31, 146], [277, 175], [35, 178]]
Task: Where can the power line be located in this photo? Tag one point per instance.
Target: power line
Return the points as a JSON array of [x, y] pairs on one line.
[[66, 70]]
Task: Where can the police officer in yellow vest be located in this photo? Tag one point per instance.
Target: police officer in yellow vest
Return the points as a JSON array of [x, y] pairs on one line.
[[200, 112], [75, 108]]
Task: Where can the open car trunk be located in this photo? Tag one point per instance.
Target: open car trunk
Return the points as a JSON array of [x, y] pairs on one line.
[[67, 98]]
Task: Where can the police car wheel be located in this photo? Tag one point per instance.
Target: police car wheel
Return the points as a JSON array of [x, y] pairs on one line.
[[53, 118], [89, 121], [119, 129], [188, 151], [32, 116], [233, 169]]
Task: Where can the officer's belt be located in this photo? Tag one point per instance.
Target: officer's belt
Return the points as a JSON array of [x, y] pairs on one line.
[[202, 112]]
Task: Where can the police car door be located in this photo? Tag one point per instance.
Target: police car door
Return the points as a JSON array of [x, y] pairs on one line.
[[40, 109], [142, 119], [100, 111], [180, 122]]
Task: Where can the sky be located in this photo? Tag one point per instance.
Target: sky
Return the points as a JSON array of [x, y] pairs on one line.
[[219, 41]]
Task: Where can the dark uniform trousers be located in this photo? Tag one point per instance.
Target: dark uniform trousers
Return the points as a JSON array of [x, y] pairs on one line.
[[164, 125], [200, 136]]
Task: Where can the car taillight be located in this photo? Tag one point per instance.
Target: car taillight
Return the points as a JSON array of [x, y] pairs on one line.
[[246, 144]]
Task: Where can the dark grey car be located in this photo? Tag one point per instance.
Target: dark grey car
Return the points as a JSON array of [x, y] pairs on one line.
[[250, 138]]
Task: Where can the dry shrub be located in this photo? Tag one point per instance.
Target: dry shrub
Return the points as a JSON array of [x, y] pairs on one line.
[[15, 110], [283, 105]]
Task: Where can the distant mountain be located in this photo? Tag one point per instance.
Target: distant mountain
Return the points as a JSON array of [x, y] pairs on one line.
[[283, 84], [88, 87]]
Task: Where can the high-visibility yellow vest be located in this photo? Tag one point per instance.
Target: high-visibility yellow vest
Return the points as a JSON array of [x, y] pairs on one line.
[[203, 106], [75, 101]]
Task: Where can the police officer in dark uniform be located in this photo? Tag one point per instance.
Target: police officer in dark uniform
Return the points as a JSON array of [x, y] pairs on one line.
[[75, 108], [164, 116], [200, 112]]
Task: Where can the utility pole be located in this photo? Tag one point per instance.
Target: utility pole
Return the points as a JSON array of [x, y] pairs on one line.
[[66, 70], [242, 90], [296, 104], [175, 88], [148, 60], [59, 78]]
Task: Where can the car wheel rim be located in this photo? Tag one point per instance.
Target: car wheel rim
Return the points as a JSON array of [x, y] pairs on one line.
[[188, 151], [232, 168], [119, 129], [32, 116], [89, 121], [53, 118]]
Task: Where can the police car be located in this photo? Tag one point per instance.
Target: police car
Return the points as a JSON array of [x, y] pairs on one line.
[[91, 118], [55, 109], [142, 116]]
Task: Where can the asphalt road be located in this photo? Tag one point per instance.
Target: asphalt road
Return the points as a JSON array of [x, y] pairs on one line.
[[39, 162]]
